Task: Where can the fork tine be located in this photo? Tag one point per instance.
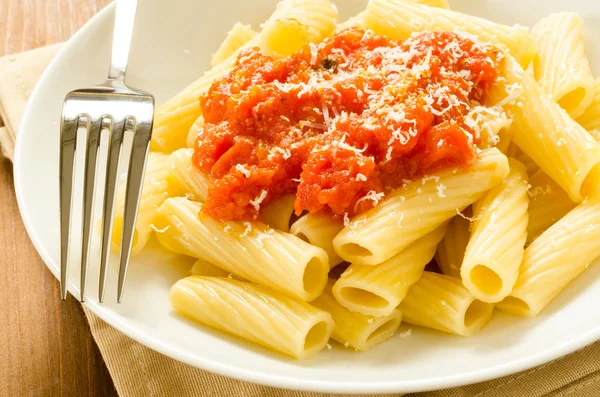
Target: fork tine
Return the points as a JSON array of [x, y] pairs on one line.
[[91, 156], [115, 142], [135, 176], [68, 138]]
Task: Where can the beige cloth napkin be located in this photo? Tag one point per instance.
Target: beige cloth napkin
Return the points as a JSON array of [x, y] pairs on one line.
[[138, 371]]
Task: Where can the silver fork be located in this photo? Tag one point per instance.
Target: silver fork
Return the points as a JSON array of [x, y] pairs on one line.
[[114, 108]]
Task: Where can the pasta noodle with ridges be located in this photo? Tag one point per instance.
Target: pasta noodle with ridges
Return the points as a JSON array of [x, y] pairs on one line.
[[294, 24], [250, 250], [547, 204], [491, 263], [319, 230], [398, 19], [401, 218], [590, 119], [195, 130], [191, 181], [358, 19], [239, 35], [516, 153], [561, 67], [255, 313], [158, 185], [555, 258], [278, 213], [443, 303], [377, 290], [174, 118], [547, 134], [355, 329], [451, 250]]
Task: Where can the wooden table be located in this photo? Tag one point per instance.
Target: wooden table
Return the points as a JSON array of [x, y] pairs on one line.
[[46, 348]]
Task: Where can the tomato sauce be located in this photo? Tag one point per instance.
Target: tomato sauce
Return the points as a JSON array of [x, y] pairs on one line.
[[342, 122]]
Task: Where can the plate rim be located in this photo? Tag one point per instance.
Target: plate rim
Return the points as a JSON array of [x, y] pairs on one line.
[[241, 373]]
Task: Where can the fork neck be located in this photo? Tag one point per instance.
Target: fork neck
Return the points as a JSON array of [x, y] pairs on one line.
[[123, 31]]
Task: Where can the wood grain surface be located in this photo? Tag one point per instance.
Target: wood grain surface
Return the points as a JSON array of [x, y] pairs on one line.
[[46, 348]]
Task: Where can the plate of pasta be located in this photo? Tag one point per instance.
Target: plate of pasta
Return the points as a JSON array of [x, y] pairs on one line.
[[362, 197]]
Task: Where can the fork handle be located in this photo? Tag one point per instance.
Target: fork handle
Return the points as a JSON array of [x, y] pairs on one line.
[[124, 20]]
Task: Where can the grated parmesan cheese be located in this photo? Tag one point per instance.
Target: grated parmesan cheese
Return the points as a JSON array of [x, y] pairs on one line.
[[241, 168], [257, 201], [373, 196], [246, 231]]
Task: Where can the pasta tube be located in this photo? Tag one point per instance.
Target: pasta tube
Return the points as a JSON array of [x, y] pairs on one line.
[[239, 35], [555, 258], [293, 25], [319, 230], [398, 19], [377, 290], [547, 204], [278, 213], [157, 186], [191, 181], [546, 133], [516, 153], [296, 23], [195, 130], [561, 67], [441, 302], [451, 250], [418, 208], [174, 118], [254, 313], [355, 329], [495, 250], [250, 250], [590, 119], [358, 19]]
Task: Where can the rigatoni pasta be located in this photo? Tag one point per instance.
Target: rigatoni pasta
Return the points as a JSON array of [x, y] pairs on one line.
[[388, 228], [516, 153], [561, 66], [319, 230], [355, 329], [279, 213], [443, 303], [250, 250], [547, 204], [398, 19], [239, 35], [189, 180], [555, 258], [491, 263], [195, 130], [451, 250], [157, 186], [249, 311], [547, 134], [590, 119], [377, 290]]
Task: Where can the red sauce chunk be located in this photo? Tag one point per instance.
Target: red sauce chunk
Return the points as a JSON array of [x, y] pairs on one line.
[[341, 123]]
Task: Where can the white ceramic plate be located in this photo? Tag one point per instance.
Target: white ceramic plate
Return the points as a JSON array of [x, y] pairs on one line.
[[172, 46]]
